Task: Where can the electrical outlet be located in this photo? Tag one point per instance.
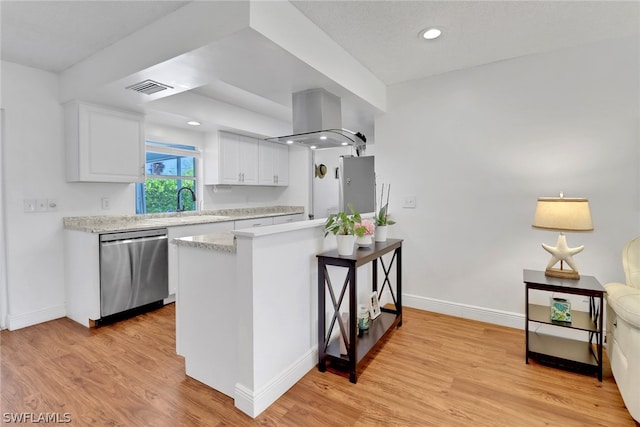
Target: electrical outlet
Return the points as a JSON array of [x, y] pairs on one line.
[[409, 202], [41, 205], [29, 205], [106, 204], [52, 204]]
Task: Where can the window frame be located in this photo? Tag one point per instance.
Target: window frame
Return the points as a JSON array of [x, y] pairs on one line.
[[175, 149]]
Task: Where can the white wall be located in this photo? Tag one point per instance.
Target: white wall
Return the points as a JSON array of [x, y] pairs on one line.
[[478, 146], [326, 191]]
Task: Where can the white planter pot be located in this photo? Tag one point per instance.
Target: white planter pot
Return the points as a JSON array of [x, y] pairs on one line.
[[381, 233], [345, 244], [364, 241]]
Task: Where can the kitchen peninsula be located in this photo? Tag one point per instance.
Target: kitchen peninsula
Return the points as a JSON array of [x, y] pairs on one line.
[[246, 309]]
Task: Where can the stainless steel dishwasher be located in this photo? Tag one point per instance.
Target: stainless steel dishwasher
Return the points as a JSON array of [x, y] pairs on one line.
[[133, 270]]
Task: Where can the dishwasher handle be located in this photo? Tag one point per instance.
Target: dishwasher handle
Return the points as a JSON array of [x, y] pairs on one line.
[[129, 235], [133, 240]]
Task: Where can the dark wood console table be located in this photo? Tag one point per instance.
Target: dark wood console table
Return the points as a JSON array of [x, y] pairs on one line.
[[357, 348]]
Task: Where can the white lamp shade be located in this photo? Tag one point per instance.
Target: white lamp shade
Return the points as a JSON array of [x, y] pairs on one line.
[[563, 214]]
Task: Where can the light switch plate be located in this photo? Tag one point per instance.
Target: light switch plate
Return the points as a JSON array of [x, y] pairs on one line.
[[409, 202]]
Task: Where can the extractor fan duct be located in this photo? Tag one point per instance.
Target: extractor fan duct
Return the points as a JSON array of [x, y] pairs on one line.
[[317, 123]]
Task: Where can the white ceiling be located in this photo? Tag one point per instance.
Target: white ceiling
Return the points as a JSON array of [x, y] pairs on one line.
[[54, 35], [381, 35]]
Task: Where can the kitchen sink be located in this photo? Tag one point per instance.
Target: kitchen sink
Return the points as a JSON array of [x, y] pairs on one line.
[[190, 219]]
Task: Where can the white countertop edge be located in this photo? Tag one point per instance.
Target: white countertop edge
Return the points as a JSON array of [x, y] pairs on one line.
[[267, 230]]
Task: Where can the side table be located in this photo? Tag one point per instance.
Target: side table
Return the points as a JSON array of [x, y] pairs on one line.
[[576, 355]]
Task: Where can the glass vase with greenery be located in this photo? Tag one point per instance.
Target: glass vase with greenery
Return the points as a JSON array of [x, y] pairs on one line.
[[382, 218]]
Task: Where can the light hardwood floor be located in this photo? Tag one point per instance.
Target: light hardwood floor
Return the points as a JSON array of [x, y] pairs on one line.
[[435, 370]]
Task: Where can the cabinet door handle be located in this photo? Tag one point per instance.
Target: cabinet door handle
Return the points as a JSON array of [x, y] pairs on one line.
[[239, 177]]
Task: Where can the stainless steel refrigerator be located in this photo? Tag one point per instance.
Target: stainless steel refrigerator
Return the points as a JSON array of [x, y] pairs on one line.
[[341, 181], [357, 179]]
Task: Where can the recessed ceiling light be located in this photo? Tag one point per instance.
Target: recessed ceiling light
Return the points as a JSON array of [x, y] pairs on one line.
[[430, 33], [289, 141], [313, 147], [323, 137], [345, 143], [193, 123]]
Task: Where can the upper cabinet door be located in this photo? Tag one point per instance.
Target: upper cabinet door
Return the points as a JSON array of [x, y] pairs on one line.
[[266, 166], [238, 159], [249, 160], [104, 144], [274, 164], [281, 164], [229, 166]]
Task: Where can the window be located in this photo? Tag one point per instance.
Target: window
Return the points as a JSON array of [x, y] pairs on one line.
[[169, 168]]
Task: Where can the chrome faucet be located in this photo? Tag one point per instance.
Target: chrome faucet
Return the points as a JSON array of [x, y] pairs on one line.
[[193, 197]]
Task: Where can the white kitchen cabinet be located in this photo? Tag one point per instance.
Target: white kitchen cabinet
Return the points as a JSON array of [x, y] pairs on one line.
[[288, 218], [274, 164], [82, 276], [238, 160], [103, 144], [253, 222]]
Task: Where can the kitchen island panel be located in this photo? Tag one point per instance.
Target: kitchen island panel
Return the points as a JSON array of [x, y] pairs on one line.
[[206, 330]]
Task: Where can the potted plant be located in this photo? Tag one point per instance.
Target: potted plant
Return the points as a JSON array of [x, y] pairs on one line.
[[382, 218], [364, 233], [342, 226]]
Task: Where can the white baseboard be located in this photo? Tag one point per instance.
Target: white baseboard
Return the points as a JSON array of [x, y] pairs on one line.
[[481, 314], [28, 319], [253, 403]]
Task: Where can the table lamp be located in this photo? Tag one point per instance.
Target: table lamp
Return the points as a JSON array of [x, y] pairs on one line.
[[562, 214]]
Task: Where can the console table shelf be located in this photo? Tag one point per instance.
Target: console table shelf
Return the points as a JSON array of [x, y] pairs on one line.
[[390, 317], [580, 320]]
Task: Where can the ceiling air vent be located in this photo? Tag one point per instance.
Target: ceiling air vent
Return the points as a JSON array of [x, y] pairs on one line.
[[149, 87]]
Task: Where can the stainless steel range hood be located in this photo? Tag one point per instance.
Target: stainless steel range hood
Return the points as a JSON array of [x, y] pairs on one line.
[[317, 123]]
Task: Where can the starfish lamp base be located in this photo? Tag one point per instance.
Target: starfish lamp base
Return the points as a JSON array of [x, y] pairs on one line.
[[562, 274], [563, 253]]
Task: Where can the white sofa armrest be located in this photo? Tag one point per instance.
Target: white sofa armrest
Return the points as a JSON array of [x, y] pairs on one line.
[[625, 301]]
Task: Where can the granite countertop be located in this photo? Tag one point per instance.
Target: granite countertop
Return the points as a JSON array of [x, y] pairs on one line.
[[115, 223], [224, 242]]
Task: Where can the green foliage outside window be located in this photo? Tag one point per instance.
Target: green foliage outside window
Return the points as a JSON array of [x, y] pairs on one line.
[[167, 172], [161, 195]]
